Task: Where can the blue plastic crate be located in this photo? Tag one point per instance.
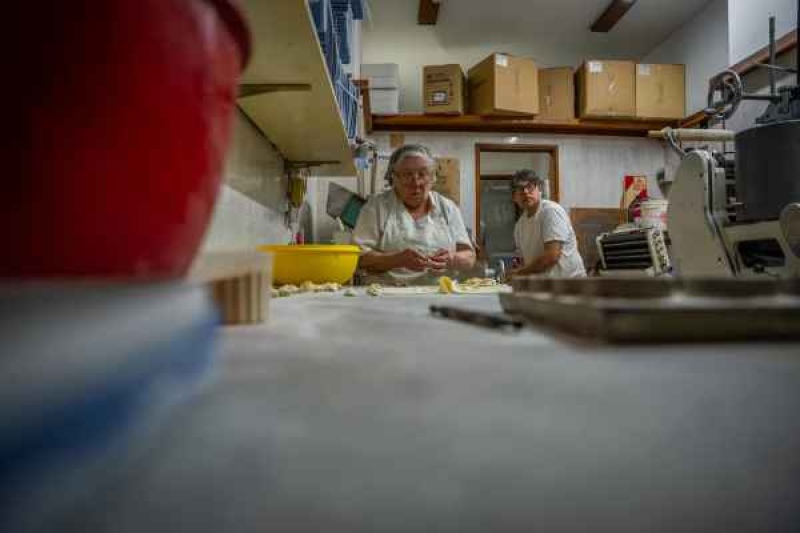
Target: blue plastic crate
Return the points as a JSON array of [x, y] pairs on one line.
[[343, 25], [358, 9]]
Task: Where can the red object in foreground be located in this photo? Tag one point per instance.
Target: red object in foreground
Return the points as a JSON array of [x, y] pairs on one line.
[[125, 109]]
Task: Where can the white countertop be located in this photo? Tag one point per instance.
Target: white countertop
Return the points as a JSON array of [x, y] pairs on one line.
[[368, 414]]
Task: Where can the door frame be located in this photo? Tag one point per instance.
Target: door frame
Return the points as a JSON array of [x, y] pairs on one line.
[[552, 150]]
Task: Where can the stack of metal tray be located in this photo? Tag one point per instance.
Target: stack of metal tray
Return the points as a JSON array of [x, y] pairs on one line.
[[660, 309]]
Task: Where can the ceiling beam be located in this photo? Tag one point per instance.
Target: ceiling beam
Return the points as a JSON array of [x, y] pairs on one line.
[[428, 12], [612, 15]]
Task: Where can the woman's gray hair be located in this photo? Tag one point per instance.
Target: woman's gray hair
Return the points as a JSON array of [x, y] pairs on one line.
[[408, 150]]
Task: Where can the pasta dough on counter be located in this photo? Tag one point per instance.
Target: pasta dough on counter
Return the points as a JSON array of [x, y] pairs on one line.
[[305, 287]]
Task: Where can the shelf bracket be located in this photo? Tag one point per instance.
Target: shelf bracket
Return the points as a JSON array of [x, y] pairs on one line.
[[296, 165], [253, 89]]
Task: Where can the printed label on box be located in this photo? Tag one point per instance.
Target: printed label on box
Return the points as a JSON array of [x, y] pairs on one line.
[[439, 97], [595, 67], [501, 60], [645, 70]]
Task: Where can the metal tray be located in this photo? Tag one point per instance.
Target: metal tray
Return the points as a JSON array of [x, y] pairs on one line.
[[661, 310]]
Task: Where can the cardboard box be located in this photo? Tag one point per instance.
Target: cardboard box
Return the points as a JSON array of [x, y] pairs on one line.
[[556, 94], [448, 178], [445, 89], [606, 89], [504, 85], [661, 91]]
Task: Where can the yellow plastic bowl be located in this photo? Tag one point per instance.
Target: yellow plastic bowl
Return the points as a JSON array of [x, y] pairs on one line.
[[319, 263]]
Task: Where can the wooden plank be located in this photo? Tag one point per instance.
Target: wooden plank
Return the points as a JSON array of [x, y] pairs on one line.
[[428, 13], [698, 119], [784, 45], [304, 125], [366, 103], [238, 282], [475, 123], [612, 15], [252, 89], [589, 223]]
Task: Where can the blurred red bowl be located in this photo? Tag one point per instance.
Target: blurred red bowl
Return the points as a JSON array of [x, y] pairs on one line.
[[122, 112]]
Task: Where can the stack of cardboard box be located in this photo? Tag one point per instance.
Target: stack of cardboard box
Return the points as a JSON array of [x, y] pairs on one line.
[[623, 89], [505, 85]]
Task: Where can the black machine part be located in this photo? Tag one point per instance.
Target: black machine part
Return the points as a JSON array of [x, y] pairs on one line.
[[767, 170]]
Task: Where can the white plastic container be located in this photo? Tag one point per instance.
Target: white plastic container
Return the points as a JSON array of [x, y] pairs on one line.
[[654, 214], [381, 75], [385, 101]]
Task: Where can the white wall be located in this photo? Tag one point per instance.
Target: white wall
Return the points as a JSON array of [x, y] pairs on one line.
[[748, 24], [701, 45], [510, 162], [591, 169], [251, 205]]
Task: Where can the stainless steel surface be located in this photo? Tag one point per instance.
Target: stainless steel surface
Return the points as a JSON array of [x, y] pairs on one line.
[[767, 170], [369, 415]]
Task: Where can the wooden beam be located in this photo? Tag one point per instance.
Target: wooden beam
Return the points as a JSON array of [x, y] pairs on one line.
[[428, 12], [783, 45], [366, 103], [612, 15]]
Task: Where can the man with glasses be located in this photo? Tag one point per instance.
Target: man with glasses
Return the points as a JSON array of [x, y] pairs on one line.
[[411, 234], [543, 234]]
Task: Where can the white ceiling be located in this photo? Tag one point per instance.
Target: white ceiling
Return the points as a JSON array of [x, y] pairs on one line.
[[557, 24]]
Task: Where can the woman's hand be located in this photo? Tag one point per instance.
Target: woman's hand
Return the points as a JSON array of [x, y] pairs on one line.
[[442, 260], [411, 260]]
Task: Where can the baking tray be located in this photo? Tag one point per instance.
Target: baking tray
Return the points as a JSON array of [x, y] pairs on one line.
[[661, 310]]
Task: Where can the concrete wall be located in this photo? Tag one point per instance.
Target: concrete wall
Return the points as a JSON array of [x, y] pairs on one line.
[[749, 24], [251, 206], [701, 45]]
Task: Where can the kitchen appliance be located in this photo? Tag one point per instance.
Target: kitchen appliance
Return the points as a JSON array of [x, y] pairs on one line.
[[633, 251], [741, 216], [125, 109]]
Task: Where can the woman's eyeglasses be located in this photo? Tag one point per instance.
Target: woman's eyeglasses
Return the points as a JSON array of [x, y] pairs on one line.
[[408, 177]]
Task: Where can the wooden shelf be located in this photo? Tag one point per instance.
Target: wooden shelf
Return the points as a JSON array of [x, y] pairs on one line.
[[474, 123], [289, 93]]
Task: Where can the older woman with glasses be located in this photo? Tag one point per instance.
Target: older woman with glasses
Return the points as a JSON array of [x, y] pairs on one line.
[[411, 234]]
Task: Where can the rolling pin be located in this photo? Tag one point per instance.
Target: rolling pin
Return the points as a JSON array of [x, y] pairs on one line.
[[695, 135]]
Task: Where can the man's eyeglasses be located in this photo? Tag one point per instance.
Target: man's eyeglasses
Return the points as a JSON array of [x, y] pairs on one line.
[[528, 187]]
